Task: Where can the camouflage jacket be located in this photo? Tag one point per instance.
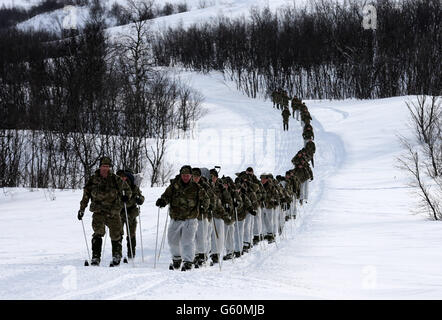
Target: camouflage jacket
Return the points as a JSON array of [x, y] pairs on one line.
[[271, 196], [223, 200], [186, 200], [212, 200], [246, 206], [105, 193], [303, 174]]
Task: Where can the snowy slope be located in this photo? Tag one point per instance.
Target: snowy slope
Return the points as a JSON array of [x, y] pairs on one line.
[[356, 238]]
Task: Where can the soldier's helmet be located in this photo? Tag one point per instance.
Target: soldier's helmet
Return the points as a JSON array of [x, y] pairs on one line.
[[213, 172], [105, 161], [186, 169], [196, 172]]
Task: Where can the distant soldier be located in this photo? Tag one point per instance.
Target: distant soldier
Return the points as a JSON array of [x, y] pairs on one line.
[[285, 118], [220, 216], [310, 147], [132, 211], [187, 199], [296, 107], [107, 193], [304, 173], [260, 195], [307, 133], [201, 238], [271, 201]]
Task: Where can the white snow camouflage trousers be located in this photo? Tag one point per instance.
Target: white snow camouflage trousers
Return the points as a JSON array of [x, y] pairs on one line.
[[304, 190], [217, 241], [268, 221], [239, 235], [201, 236], [229, 229], [181, 238], [257, 223], [248, 228]]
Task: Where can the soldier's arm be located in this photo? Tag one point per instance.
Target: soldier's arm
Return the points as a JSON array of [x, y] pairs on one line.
[[167, 194], [204, 199]]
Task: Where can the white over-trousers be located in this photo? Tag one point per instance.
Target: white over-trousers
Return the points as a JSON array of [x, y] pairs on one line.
[[239, 235], [217, 242], [229, 229], [267, 221], [201, 235], [304, 190], [248, 228], [181, 238], [209, 237], [257, 223]]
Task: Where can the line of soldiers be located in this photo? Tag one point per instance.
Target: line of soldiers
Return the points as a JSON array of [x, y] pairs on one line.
[[222, 218], [281, 100], [210, 216]]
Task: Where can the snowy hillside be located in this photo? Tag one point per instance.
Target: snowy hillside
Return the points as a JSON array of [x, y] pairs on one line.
[[355, 238]]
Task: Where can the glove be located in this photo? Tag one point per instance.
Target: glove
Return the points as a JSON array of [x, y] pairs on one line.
[[161, 203], [288, 206], [80, 214], [235, 203], [139, 201], [253, 213], [125, 198]]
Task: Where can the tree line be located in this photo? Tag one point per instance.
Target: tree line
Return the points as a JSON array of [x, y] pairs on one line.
[[64, 103], [321, 52]]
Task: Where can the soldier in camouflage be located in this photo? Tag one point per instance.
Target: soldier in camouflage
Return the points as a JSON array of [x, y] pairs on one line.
[[271, 201], [285, 118], [257, 228], [107, 193], [220, 216], [186, 199], [136, 200]]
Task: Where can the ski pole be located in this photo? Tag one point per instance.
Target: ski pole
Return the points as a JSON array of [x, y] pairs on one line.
[[164, 235], [86, 263], [104, 242], [128, 234], [156, 241], [141, 234], [237, 228]]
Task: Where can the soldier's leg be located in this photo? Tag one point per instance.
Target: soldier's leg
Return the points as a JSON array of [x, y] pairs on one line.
[[238, 236], [246, 240], [257, 226], [229, 238], [113, 222], [306, 183], [188, 239], [173, 238], [98, 226], [218, 236], [199, 237], [132, 216], [208, 243]]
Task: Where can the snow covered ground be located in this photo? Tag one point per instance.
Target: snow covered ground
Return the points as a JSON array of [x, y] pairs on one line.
[[356, 238]]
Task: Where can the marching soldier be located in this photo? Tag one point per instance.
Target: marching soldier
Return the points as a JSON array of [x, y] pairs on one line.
[[107, 193]]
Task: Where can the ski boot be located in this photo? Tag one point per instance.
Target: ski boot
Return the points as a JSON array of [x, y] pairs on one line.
[[255, 240], [96, 250], [287, 218], [186, 266], [237, 254], [199, 260], [270, 238], [215, 258], [176, 263], [228, 256], [95, 262], [246, 247], [115, 261]]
